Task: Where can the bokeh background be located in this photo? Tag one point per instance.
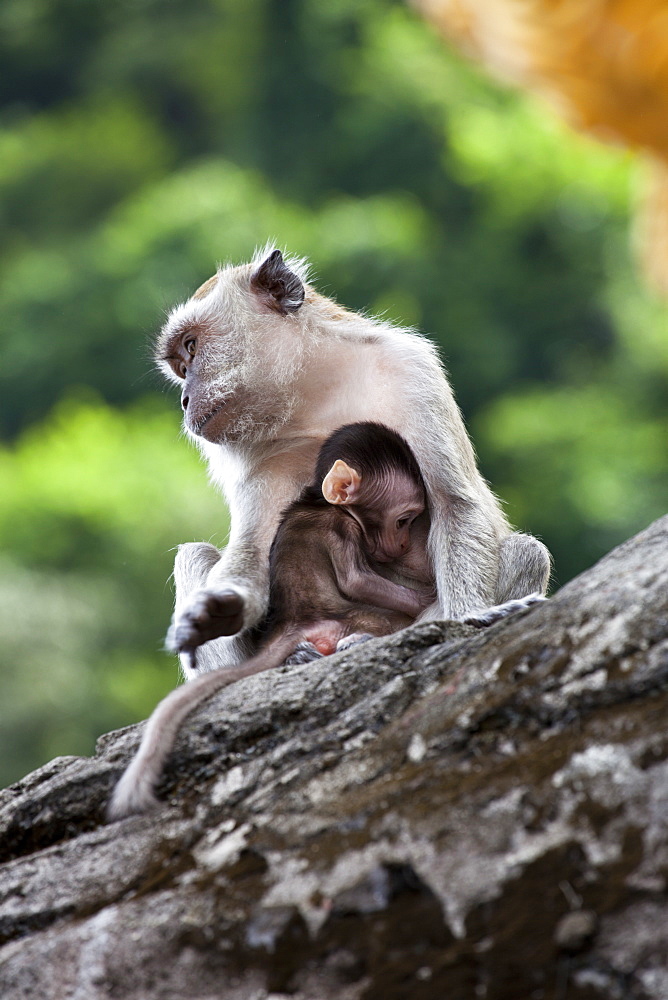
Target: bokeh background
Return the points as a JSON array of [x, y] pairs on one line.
[[142, 142]]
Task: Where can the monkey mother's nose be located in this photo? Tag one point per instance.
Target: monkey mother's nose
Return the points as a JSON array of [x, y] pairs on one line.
[[184, 402]]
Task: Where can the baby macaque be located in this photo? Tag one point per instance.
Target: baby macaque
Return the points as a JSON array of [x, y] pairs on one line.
[[364, 512]]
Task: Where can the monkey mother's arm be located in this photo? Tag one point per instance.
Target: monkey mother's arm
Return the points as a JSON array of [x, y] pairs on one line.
[[467, 522], [220, 593], [467, 541]]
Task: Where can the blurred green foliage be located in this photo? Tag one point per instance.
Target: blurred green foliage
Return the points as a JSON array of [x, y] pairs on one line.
[[88, 521], [143, 141]]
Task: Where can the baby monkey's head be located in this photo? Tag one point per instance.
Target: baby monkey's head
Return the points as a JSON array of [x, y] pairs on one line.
[[370, 470]]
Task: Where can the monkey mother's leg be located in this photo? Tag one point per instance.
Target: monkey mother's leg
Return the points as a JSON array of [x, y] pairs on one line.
[[482, 573], [233, 597], [524, 573], [524, 568], [192, 566]]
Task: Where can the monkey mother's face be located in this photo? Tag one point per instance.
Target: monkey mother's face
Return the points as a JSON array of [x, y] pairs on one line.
[[235, 348]]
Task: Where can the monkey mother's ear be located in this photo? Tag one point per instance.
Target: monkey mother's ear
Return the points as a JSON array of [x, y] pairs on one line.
[[341, 484], [280, 287]]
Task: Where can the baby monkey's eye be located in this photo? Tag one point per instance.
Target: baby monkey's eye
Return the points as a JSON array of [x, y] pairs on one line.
[[402, 522]]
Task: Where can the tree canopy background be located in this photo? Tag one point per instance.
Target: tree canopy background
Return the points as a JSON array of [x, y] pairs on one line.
[[142, 142]]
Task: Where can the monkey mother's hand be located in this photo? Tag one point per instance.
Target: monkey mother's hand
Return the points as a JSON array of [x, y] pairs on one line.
[[206, 615]]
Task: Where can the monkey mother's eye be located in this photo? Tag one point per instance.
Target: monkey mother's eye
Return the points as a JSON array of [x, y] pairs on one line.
[[191, 346]]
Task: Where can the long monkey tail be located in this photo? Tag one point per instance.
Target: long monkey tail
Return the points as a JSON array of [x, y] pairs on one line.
[[134, 792]]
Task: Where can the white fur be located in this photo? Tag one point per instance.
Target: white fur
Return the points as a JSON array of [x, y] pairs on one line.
[[288, 381], [303, 375]]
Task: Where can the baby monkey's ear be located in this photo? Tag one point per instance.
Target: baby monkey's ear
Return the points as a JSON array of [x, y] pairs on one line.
[[341, 484]]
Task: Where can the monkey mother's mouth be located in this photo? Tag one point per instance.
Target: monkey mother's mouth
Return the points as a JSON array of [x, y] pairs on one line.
[[199, 426]]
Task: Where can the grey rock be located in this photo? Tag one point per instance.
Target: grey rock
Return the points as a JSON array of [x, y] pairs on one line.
[[447, 813]]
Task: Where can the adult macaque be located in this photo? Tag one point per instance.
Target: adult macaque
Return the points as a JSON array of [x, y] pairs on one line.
[[268, 368], [364, 508]]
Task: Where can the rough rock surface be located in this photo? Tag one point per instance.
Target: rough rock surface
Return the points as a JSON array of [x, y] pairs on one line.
[[443, 814]]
